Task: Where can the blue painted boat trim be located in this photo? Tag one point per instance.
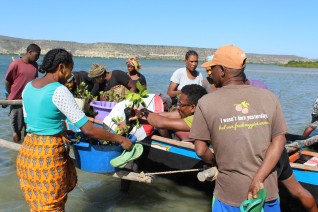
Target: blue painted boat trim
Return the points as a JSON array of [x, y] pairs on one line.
[[310, 177], [175, 149]]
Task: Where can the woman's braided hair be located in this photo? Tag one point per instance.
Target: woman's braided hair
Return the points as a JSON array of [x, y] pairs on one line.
[[53, 58]]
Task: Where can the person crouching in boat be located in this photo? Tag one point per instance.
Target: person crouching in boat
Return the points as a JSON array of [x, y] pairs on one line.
[[45, 170], [79, 81], [179, 120], [116, 80]]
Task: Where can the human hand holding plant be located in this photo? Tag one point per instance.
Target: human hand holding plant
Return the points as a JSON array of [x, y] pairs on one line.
[[121, 128], [137, 101], [140, 113]]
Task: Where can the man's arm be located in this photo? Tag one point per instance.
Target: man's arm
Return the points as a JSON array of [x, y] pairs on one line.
[[7, 86], [172, 115], [203, 151], [309, 130], [272, 156], [10, 76], [172, 89], [158, 121]]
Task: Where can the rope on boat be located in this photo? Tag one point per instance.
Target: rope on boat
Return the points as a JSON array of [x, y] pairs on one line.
[[204, 174], [148, 177]]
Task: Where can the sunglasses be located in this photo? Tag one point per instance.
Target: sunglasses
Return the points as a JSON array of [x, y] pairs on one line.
[[70, 78], [209, 70], [179, 104]]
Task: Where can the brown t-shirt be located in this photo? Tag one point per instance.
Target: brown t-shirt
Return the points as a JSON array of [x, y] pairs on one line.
[[240, 120]]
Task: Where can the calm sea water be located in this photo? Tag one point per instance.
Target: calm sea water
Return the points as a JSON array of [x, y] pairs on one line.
[[296, 88]]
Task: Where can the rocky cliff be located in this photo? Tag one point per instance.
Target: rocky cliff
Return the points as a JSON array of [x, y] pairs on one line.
[[10, 45]]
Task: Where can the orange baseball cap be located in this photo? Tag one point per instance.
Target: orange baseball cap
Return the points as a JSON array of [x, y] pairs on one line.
[[229, 56]]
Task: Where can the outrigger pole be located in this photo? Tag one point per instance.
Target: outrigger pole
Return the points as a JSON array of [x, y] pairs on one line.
[[10, 102], [124, 175]]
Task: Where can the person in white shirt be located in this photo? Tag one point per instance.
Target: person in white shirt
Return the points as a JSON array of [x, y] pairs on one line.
[[185, 76]]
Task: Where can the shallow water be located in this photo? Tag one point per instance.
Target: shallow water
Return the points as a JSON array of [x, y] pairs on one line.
[[295, 87]]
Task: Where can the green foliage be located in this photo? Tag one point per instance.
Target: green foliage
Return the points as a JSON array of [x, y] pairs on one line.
[[83, 93], [81, 137], [302, 64], [136, 98], [111, 96], [117, 120]]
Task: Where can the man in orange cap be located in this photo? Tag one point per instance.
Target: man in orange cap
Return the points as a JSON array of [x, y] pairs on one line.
[[246, 127]]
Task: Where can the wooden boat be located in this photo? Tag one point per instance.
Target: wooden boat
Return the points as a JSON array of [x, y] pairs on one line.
[[305, 169], [177, 161], [177, 155]]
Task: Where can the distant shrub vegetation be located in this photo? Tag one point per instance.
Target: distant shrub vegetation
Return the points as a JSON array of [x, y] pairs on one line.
[[302, 64]]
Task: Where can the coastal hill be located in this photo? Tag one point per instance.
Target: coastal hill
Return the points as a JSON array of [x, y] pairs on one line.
[[11, 45]]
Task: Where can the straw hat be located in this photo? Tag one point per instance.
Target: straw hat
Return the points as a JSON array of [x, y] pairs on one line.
[[96, 70]]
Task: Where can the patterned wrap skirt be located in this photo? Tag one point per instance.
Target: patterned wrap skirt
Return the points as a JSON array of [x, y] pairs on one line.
[[46, 172]]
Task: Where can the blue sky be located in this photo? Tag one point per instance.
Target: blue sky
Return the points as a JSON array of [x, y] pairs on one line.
[[265, 27]]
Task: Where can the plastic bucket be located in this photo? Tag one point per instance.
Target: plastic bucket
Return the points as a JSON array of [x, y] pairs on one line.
[[96, 158], [103, 108]]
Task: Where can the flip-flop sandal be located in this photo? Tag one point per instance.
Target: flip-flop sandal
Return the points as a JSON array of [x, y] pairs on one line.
[[138, 152], [123, 158], [254, 204]]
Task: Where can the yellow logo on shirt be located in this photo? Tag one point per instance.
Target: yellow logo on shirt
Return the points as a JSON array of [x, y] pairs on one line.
[[243, 119], [242, 107]]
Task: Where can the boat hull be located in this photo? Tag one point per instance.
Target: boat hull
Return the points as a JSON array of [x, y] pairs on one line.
[[168, 156], [305, 170]]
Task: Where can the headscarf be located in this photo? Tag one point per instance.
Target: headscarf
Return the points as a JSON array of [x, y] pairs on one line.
[[133, 61]]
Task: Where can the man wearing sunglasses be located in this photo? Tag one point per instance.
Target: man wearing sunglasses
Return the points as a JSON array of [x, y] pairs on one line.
[[246, 127], [179, 119], [207, 82]]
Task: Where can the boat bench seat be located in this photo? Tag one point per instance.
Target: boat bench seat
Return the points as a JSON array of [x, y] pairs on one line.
[[183, 135]]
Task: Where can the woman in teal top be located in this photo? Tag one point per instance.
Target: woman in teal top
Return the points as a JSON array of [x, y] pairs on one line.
[[45, 170]]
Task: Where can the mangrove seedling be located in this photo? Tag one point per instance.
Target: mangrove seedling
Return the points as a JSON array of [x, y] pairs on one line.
[[137, 100], [110, 96]]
